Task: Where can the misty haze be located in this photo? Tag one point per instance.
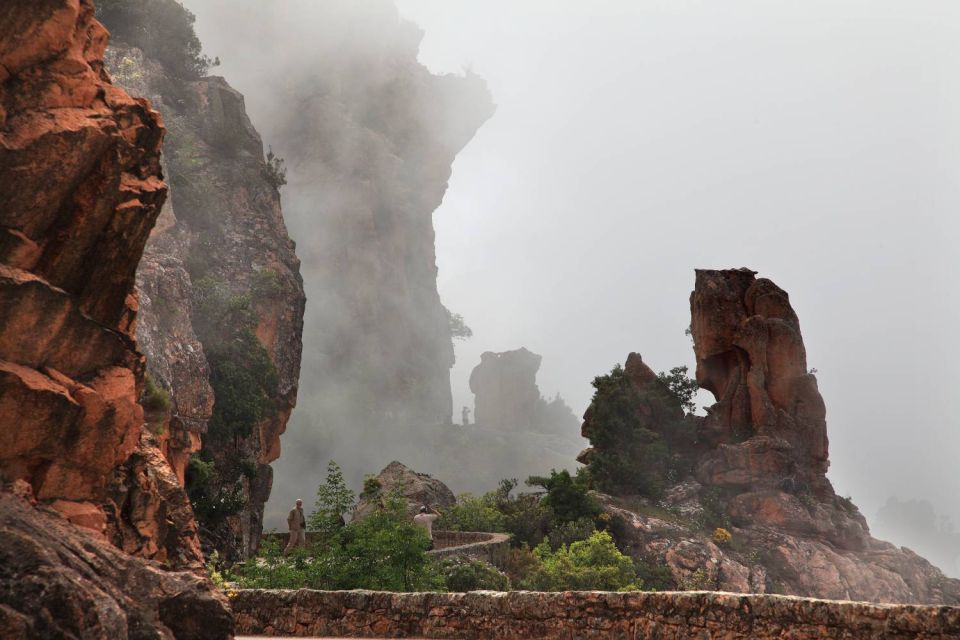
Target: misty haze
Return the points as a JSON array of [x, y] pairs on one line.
[[542, 318], [632, 142]]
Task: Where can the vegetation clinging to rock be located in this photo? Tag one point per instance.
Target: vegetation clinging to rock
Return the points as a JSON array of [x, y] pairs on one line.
[[640, 436], [162, 28]]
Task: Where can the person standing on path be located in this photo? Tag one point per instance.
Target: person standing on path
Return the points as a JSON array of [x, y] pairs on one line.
[[297, 523], [425, 519]]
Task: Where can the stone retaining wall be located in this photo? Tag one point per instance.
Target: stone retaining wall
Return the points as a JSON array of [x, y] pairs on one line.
[[491, 547], [589, 614], [444, 539]]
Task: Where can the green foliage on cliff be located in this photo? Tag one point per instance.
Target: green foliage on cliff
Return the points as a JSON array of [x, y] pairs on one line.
[[275, 170], [244, 380], [163, 29], [641, 439], [155, 401], [681, 386], [458, 328], [213, 500], [242, 374]]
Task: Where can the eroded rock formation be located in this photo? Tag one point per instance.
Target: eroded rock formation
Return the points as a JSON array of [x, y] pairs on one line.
[[80, 190], [750, 355], [222, 299], [505, 389], [754, 466], [507, 396]]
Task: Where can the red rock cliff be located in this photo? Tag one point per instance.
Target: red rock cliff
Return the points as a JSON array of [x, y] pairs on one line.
[[222, 298], [80, 190]]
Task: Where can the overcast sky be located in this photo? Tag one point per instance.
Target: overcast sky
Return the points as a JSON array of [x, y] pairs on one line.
[[814, 142]]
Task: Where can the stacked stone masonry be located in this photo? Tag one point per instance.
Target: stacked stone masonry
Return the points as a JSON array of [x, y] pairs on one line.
[[590, 614]]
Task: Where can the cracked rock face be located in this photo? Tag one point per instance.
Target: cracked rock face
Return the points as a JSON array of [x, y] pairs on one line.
[[218, 264], [80, 191], [60, 581]]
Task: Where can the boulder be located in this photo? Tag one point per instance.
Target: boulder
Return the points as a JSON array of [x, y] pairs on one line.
[[62, 581], [418, 489]]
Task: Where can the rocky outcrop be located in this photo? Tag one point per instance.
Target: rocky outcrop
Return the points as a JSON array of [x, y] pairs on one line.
[[751, 357], [61, 581], [222, 297], [507, 396], [79, 193], [80, 190], [505, 389], [738, 500], [525, 615], [418, 489]]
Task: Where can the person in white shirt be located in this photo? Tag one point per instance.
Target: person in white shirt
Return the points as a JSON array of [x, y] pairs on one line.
[[425, 519]]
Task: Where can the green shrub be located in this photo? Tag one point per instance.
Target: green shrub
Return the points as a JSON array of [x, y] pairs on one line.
[[591, 564], [213, 498], [696, 581], [567, 496], [470, 574], [248, 468], [471, 513], [641, 439], [458, 328], [564, 533], [244, 380], [274, 170], [384, 551], [714, 506], [525, 517], [272, 570], [372, 488], [266, 284], [682, 387], [653, 576]]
